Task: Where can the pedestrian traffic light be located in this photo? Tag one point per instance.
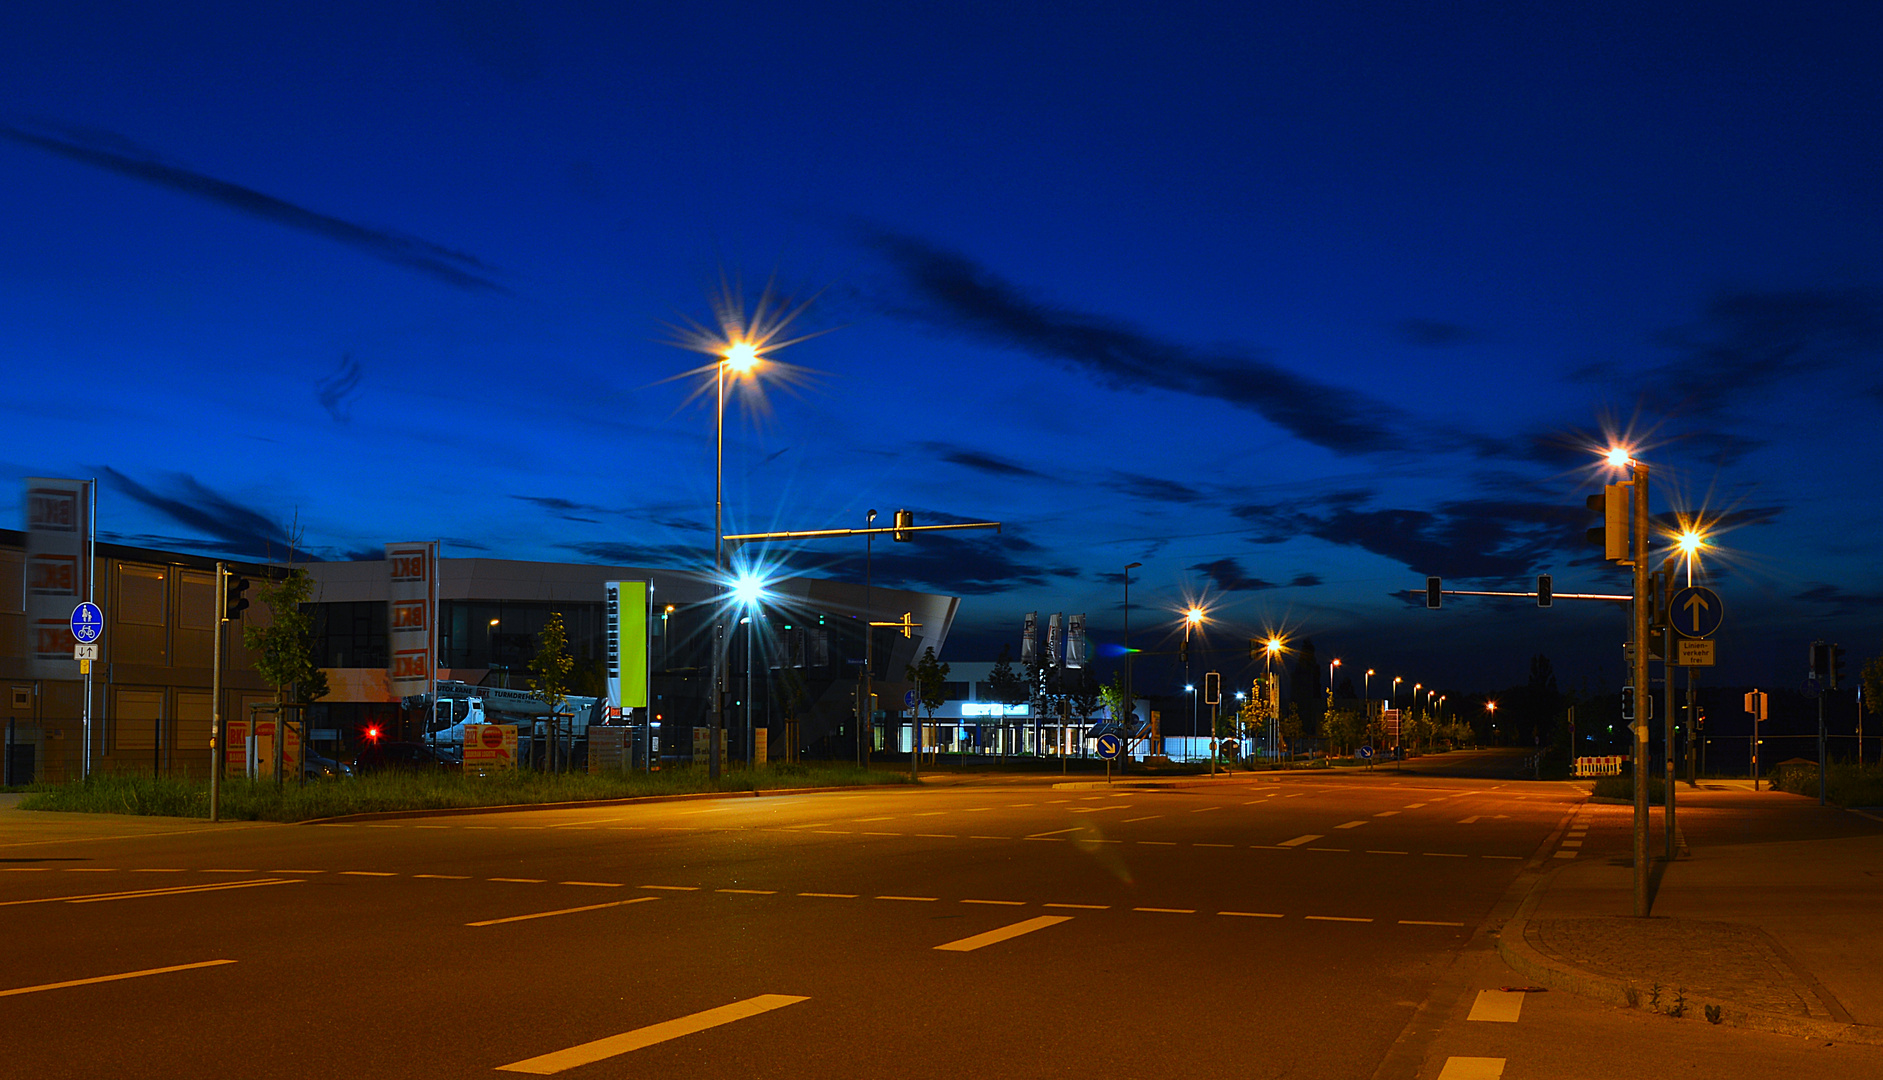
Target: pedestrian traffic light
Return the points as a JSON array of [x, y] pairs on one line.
[[1628, 704], [1820, 663], [1836, 666], [1612, 535], [905, 519], [233, 602], [1432, 592], [1545, 591]]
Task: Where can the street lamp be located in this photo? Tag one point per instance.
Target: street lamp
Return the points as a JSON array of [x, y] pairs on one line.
[[866, 703], [748, 591], [1270, 650], [1191, 618], [1490, 710], [1129, 703]]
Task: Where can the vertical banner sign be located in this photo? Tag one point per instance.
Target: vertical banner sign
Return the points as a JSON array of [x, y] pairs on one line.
[[412, 607], [1075, 641], [1053, 635], [625, 609], [1029, 638], [58, 575]]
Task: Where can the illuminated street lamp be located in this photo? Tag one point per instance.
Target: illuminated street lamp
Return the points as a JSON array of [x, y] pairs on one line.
[[1270, 650], [1192, 618], [1331, 665]]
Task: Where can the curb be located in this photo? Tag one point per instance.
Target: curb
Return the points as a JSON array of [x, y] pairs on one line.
[[1627, 994], [507, 808]]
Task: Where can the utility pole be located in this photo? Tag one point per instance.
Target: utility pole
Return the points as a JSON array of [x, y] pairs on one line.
[[1639, 470], [1667, 735], [216, 752]]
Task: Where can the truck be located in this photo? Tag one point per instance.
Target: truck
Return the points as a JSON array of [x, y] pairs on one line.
[[457, 704]]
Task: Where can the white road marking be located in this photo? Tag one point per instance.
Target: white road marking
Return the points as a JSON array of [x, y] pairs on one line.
[[1081, 907], [1334, 918], [1496, 1006], [1472, 820], [1201, 844], [165, 870], [1386, 813], [1426, 922], [969, 944], [1002, 903], [563, 911], [367, 873], [1351, 825], [1149, 817], [1414, 806], [138, 894], [1168, 910], [861, 820], [751, 892], [1299, 840], [445, 877], [616, 1045], [1565, 855], [1572, 843], [113, 978], [1472, 1068], [832, 895], [663, 888], [990, 837], [594, 884], [1443, 855], [917, 899], [1204, 809], [1157, 843], [1372, 851], [1254, 914], [1055, 832], [948, 836], [518, 880]]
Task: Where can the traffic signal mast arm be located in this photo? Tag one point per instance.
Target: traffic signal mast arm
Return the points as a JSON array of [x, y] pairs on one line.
[[1558, 595], [808, 534]]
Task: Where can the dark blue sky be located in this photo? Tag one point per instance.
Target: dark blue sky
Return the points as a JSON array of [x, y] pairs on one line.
[[1293, 306]]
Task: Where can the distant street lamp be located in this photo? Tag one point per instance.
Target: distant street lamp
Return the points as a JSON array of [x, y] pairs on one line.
[[1270, 650], [1331, 665], [1129, 703], [1191, 619]]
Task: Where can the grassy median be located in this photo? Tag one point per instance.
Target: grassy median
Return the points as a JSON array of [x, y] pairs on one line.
[[245, 800]]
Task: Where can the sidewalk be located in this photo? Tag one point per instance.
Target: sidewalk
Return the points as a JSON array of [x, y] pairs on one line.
[[1781, 934]]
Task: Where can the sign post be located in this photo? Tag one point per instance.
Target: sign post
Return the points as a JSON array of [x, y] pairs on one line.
[[88, 625]]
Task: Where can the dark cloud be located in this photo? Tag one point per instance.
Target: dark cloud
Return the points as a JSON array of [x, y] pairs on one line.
[[335, 389], [953, 293], [1432, 333], [1228, 575], [564, 509], [980, 462], [627, 553], [1469, 539], [1306, 580], [227, 526], [452, 267], [1842, 603], [1153, 488]]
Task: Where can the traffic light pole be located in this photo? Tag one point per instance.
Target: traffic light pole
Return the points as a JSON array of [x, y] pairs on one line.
[[1667, 736], [1640, 680], [216, 751]]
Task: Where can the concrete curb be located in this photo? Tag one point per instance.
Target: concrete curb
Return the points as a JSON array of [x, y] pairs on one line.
[[1627, 994], [507, 808]]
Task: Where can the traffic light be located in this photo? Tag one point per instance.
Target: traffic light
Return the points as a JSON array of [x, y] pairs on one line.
[[1255, 649], [1837, 666], [1545, 591], [905, 519], [1212, 688], [1628, 704], [1183, 651], [1432, 591], [1612, 534], [908, 626], [233, 602], [1820, 663]]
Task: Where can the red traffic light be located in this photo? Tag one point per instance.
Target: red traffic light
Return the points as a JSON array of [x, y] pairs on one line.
[[372, 734]]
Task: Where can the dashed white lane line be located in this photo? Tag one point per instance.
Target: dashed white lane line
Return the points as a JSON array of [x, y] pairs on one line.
[[159, 870], [1372, 851], [113, 978], [1470, 820], [1205, 809], [1472, 1068], [368, 873], [615, 1045], [1334, 918], [1443, 855], [445, 877], [594, 884], [832, 895], [1055, 832], [1496, 1006], [1299, 840], [916, 899], [977, 941], [1350, 825], [519, 880], [1201, 844], [1414, 806], [1386, 813], [1254, 914], [1148, 817], [563, 911], [1157, 843], [1081, 907], [663, 888], [1168, 910], [1001, 903], [1427, 922], [750, 892]]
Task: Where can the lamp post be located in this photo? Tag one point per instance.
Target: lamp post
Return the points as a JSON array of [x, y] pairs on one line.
[[1490, 710], [1331, 665], [866, 701], [1129, 703], [1192, 618], [1269, 651]]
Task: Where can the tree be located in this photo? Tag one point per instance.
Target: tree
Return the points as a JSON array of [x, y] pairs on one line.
[[550, 670], [1009, 688], [794, 700], [1083, 695], [1342, 728], [1873, 683], [1290, 728], [284, 649], [930, 678]]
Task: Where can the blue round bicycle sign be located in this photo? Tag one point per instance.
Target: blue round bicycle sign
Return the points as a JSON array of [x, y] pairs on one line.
[[87, 622]]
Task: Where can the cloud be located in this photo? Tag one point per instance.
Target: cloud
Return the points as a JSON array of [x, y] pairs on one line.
[[230, 527], [1228, 576], [1432, 334], [335, 389], [564, 509], [980, 462], [627, 553], [1153, 488], [451, 267], [1842, 603], [1306, 580], [953, 293]]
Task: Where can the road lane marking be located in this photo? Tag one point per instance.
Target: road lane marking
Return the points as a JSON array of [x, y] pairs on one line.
[[616, 1045], [833, 895], [670, 888], [1351, 825], [1470, 820], [518, 880], [916, 899], [751, 892], [294, 871], [1202, 809], [1382, 851], [594, 884], [929, 813], [1347, 850], [862, 820], [1500, 856], [1386, 813], [1565, 855], [1157, 843], [1572, 843], [1254, 914], [134, 894], [1496, 1007], [1472, 1068], [1081, 907], [109, 870], [946, 836], [868, 833], [1202, 844], [834, 832], [1150, 817], [1299, 840], [1414, 806], [1426, 922], [23, 869], [368, 873], [563, 911], [445, 877], [1334, 918], [113, 978], [1003, 903], [1055, 832], [969, 944], [1168, 910], [227, 871], [990, 838], [165, 870], [1444, 855]]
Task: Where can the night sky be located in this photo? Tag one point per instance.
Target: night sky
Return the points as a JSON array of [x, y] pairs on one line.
[[1294, 304]]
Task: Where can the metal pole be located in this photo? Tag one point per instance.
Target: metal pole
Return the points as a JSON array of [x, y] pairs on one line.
[[866, 707], [1667, 736], [1640, 635], [751, 736], [215, 697], [719, 569], [1822, 764], [1130, 703]]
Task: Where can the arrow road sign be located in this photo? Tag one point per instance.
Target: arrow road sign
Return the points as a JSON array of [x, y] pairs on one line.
[[87, 622], [1109, 746], [1695, 611]]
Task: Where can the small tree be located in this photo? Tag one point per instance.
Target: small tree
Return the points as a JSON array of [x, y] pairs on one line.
[[930, 677], [794, 700], [284, 649], [1083, 695], [550, 671], [1009, 687], [1290, 728]]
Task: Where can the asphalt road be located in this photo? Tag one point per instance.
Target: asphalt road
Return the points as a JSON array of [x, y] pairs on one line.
[[1282, 926]]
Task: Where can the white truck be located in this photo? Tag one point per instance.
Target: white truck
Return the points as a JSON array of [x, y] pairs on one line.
[[458, 704]]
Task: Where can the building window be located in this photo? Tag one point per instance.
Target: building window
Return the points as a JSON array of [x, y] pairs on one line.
[[141, 596]]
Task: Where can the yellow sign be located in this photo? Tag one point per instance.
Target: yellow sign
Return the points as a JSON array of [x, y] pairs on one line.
[[489, 748], [1695, 653]]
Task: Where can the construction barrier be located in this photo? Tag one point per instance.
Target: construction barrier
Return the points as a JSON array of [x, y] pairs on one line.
[[1599, 766]]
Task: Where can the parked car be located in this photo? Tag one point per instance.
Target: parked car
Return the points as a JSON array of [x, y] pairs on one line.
[[317, 766], [409, 756]]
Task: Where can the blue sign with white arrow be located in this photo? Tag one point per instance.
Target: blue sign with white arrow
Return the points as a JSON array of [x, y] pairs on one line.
[[87, 622], [1695, 611]]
